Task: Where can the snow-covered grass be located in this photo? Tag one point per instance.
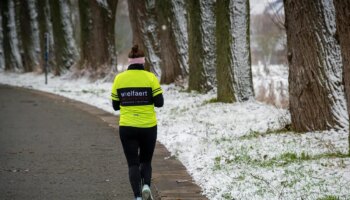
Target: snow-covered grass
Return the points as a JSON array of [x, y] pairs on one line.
[[271, 84], [239, 150]]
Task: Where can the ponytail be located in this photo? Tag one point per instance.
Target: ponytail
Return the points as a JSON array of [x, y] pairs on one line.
[[135, 52]]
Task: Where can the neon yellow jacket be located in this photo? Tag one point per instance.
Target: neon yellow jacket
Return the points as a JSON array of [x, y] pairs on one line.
[[135, 89]]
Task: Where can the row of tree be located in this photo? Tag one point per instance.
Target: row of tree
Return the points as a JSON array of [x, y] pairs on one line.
[[219, 53], [175, 35], [203, 43], [83, 38]]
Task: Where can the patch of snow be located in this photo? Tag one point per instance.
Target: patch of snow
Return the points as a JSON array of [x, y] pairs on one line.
[[257, 6], [103, 3], [271, 81]]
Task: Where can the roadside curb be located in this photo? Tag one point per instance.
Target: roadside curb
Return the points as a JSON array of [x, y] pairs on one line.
[[170, 179]]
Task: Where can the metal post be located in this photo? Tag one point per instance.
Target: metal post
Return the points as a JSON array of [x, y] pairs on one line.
[[46, 55]]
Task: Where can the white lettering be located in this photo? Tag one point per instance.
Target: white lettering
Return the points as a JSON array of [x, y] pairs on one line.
[[134, 93]]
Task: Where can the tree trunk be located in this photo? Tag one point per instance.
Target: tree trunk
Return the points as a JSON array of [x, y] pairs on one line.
[[45, 26], [24, 40], [317, 98], [342, 8], [157, 29], [171, 70], [13, 60], [66, 52], [36, 51], [97, 35], [179, 27], [144, 27], [2, 56], [29, 34], [201, 45], [234, 76]]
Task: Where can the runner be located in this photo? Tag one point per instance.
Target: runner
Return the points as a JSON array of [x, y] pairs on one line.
[[135, 93]]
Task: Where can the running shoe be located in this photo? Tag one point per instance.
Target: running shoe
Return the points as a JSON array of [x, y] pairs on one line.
[[146, 193]]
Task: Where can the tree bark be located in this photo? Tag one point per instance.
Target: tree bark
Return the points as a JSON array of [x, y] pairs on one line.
[[145, 31], [317, 98], [6, 34], [234, 76], [171, 70], [24, 32], [97, 35], [342, 9], [179, 28], [2, 56], [156, 29], [29, 34], [66, 52], [201, 45], [13, 59]]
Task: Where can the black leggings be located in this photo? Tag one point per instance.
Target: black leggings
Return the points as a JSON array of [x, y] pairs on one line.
[[138, 145]]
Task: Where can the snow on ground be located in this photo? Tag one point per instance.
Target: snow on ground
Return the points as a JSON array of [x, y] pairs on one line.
[[271, 84], [237, 150]]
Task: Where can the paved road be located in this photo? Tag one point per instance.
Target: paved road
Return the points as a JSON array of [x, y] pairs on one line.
[[52, 150]]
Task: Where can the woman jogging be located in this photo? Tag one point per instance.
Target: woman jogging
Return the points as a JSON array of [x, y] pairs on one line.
[[135, 93]]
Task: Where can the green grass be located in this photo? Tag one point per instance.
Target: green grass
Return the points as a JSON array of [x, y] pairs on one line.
[[289, 158], [278, 161], [256, 134], [100, 91], [217, 165], [222, 139], [329, 197], [63, 90], [227, 196], [251, 135], [178, 110], [213, 100], [331, 155]]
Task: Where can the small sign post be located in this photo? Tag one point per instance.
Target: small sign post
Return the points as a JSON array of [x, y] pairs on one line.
[[46, 56]]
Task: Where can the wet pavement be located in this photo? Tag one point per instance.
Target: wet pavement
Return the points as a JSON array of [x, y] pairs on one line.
[[50, 149]]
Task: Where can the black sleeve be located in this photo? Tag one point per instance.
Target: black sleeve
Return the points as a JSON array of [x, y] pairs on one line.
[[158, 100], [116, 105]]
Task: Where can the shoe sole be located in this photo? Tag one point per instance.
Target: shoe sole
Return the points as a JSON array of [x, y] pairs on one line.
[[145, 195]]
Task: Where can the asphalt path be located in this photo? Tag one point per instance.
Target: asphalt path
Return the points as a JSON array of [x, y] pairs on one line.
[[52, 150]]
